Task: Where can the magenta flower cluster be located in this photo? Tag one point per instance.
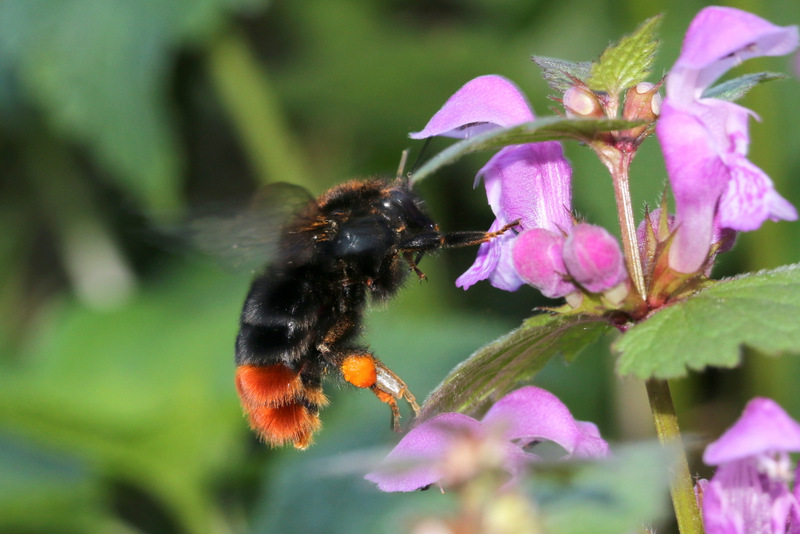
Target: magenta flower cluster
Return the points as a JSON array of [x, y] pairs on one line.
[[718, 192], [750, 492], [705, 140], [529, 183], [717, 189]]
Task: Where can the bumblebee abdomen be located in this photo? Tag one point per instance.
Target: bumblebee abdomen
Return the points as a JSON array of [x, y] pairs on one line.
[[280, 407], [278, 375], [279, 319]]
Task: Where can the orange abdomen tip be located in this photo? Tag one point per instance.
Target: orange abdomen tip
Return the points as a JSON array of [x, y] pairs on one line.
[[359, 370], [292, 423], [273, 385]]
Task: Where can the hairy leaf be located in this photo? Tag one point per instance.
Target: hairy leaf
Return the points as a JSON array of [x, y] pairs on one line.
[[710, 328], [547, 129], [497, 368], [560, 74], [733, 90], [628, 62]]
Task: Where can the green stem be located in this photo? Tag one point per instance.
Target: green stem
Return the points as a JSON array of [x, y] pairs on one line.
[[246, 94], [618, 162], [681, 487]]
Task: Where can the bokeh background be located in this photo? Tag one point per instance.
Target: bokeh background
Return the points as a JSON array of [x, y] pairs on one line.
[[117, 117]]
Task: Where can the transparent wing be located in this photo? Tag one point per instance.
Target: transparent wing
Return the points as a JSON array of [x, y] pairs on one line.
[[246, 237]]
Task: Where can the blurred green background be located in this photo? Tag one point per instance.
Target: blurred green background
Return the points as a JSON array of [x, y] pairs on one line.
[[117, 407]]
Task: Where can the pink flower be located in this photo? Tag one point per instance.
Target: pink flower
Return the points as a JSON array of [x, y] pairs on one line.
[[553, 263], [529, 183], [425, 455], [539, 259], [705, 140], [749, 493], [593, 258]]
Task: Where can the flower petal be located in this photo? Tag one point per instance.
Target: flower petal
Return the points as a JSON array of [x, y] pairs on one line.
[[750, 199], [698, 177], [593, 258], [763, 427], [742, 498], [530, 413], [532, 183], [505, 274], [717, 517], [415, 462], [493, 262], [481, 104], [538, 259], [718, 39]]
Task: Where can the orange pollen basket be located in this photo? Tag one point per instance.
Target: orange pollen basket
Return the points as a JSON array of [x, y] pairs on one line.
[[359, 370]]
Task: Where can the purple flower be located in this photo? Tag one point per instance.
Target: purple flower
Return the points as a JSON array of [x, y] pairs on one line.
[[705, 140], [593, 258], [450, 447], [538, 256], [529, 183], [749, 493], [552, 262]]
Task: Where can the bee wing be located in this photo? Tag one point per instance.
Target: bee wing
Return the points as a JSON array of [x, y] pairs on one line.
[[246, 237]]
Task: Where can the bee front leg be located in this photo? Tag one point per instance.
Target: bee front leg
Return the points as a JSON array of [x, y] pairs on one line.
[[412, 262], [363, 370]]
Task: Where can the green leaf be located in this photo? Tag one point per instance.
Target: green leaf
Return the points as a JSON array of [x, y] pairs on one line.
[[141, 394], [100, 72], [628, 62], [610, 496], [559, 74], [497, 368], [61, 489], [733, 90], [547, 129], [709, 328]]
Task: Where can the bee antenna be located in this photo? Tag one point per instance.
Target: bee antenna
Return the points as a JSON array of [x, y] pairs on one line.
[[417, 161], [402, 166]]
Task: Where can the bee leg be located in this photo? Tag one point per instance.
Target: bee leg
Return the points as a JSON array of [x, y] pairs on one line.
[[333, 335], [412, 262], [363, 370]]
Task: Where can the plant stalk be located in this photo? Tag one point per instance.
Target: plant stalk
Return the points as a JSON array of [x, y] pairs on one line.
[[681, 488], [618, 165], [252, 105]]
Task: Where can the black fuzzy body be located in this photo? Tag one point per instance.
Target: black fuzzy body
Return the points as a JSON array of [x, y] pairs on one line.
[[305, 310], [302, 317]]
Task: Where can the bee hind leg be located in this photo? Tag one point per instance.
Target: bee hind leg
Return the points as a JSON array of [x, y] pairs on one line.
[[363, 370], [389, 388]]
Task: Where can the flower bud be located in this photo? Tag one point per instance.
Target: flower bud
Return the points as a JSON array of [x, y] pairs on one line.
[[647, 246], [538, 260], [581, 102], [593, 258], [642, 103]]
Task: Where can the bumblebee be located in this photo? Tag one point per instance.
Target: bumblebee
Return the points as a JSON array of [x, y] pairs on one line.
[[302, 317]]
